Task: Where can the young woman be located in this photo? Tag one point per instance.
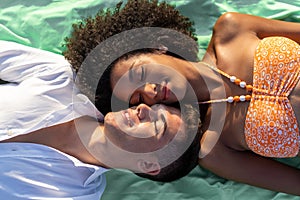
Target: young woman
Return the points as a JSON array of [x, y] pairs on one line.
[[247, 82]]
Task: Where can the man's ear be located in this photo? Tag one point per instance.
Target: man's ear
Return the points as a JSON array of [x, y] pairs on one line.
[[151, 168]]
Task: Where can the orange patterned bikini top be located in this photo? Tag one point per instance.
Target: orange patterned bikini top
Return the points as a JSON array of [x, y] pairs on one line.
[[271, 127]]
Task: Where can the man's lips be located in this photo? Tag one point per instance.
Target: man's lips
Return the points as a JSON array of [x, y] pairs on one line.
[[127, 119]]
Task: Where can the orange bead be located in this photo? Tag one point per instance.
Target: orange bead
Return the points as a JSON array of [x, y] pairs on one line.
[[248, 97], [249, 88], [236, 98], [237, 81]]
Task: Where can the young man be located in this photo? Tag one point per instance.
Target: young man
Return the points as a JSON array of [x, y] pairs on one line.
[[55, 144]]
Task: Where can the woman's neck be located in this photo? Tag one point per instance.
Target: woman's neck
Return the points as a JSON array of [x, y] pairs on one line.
[[204, 81]]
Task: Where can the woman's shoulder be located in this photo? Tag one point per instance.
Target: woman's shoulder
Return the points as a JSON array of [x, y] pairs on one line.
[[227, 26], [231, 25]]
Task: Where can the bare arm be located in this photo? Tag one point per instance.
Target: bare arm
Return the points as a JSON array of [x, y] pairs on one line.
[[247, 167], [237, 23]]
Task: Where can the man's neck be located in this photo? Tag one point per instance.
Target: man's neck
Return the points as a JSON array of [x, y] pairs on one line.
[[89, 138], [73, 138]]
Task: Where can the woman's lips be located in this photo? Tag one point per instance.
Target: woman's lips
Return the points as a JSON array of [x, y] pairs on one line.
[[166, 92]]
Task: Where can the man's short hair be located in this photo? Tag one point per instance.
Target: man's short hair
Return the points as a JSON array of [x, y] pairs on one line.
[[189, 159]]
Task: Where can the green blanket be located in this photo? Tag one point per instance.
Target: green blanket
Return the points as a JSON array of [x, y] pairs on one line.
[[45, 23]]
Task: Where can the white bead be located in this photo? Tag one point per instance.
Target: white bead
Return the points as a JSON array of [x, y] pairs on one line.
[[242, 84], [232, 78], [230, 99], [242, 98]]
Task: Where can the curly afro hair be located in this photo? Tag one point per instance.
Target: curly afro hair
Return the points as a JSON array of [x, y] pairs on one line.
[[138, 27], [92, 58]]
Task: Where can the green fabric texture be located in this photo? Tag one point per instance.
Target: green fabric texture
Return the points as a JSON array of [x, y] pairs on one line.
[[44, 24]]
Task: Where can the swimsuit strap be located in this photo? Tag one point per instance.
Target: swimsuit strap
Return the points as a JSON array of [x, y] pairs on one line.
[[234, 80]]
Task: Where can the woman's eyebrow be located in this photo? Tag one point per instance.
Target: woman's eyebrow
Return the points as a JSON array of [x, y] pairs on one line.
[[130, 71]]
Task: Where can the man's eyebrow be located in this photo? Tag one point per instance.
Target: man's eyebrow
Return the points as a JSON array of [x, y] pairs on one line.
[[130, 72], [165, 125]]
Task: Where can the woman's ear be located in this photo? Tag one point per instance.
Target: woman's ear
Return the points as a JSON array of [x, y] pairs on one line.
[[161, 49], [151, 168]]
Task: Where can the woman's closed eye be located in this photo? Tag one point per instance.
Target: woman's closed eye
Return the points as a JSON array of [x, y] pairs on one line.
[[137, 73], [141, 73]]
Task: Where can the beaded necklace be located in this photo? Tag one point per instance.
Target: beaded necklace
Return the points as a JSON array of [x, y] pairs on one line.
[[234, 80]]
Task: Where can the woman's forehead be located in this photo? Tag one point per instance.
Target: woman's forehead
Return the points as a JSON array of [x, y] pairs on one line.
[[138, 59]]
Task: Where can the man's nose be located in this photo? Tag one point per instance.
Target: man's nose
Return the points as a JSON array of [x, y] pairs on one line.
[[143, 111]]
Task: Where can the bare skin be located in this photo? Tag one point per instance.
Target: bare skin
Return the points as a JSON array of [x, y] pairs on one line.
[[59, 137], [242, 46], [137, 129], [232, 49]]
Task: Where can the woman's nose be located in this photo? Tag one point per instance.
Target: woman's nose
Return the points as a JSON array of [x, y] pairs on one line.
[[150, 89]]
